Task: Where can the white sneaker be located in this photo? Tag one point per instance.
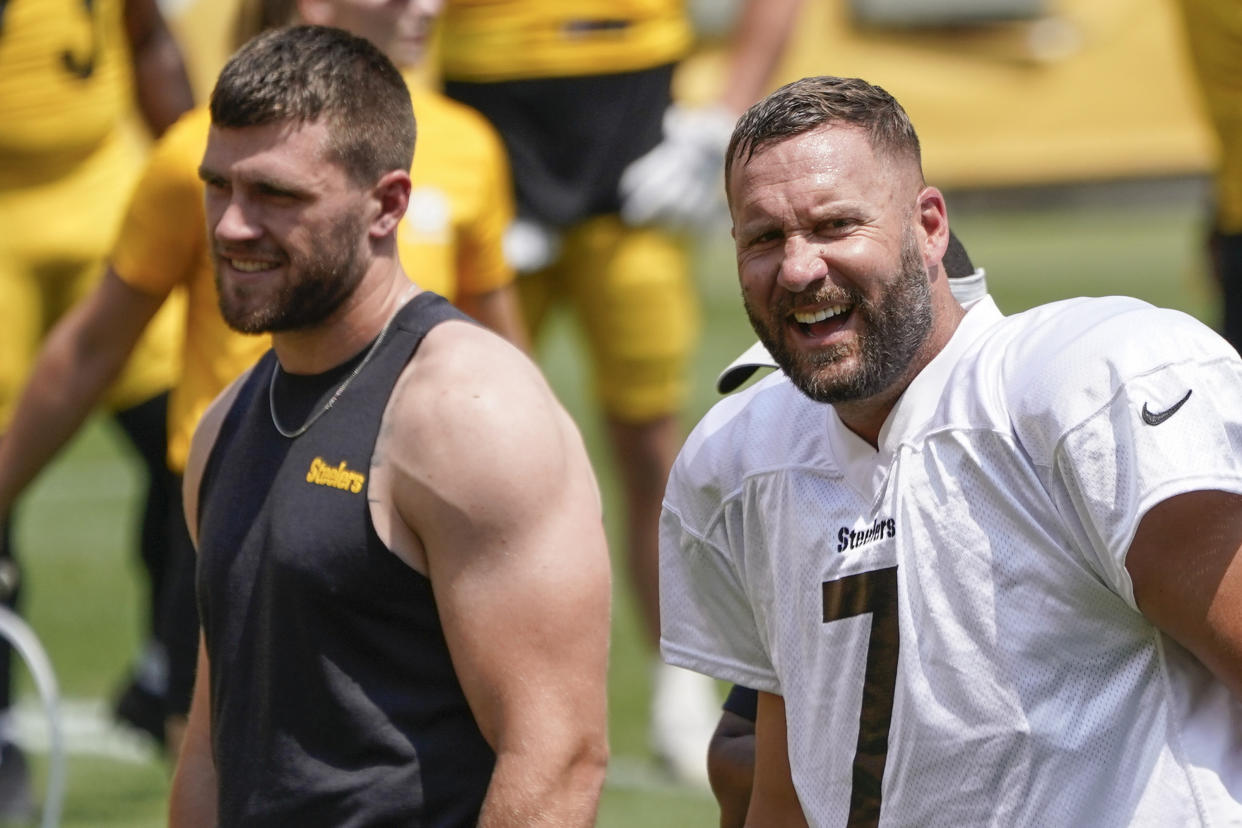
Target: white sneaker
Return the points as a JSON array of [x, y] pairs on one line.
[[685, 708]]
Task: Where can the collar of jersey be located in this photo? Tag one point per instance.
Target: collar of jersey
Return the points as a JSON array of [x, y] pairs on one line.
[[866, 468]]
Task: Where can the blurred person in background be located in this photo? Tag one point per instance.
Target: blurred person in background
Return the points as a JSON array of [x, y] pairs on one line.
[[71, 73], [450, 240], [1214, 35], [612, 177]]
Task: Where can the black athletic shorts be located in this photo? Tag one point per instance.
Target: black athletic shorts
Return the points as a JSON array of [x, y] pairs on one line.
[[569, 139], [743, 701]]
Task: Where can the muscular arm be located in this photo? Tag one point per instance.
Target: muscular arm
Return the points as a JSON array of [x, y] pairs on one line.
[[192, 801], [1186, 566], [160, 80], [774, 800], [82, 355], [492, 477]]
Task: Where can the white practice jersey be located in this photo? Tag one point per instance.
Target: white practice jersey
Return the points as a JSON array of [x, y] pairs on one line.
[[951, 614]]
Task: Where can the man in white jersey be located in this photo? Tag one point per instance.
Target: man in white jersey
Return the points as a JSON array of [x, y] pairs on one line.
[[983, 570]]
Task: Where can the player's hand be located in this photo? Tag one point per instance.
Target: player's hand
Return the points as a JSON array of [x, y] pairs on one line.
[[679, 183]]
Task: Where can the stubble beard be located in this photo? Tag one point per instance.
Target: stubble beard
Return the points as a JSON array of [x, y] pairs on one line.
[[317, 287], [895, 327]]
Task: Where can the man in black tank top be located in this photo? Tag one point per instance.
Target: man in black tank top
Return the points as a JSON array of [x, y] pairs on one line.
[[403, 580]]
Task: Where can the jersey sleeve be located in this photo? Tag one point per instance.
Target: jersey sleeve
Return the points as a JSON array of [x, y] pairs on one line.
[[481, 263], [708, 620], [164, 229], [1143, 405]]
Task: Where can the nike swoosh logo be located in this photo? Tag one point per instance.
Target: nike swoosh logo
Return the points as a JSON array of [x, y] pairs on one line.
[[1158, 417]]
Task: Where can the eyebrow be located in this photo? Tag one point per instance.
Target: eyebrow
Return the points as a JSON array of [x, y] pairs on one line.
[[273, 185]]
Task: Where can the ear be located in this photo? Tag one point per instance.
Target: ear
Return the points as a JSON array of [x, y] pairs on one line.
[[391, 197], [933, 223]]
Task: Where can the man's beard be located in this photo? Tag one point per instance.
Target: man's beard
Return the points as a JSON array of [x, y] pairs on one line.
[[316, 287], [896, 326]]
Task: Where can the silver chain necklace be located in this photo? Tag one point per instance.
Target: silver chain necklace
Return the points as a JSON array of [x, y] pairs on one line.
[[340, 389]]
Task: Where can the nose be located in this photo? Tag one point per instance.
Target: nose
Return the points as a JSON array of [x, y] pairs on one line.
[[802, 265], [234, 223]]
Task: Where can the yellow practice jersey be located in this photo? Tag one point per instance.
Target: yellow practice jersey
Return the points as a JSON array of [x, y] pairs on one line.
[[64, 82], [163, 245], [461, 201], [449, 242], [499, 40]]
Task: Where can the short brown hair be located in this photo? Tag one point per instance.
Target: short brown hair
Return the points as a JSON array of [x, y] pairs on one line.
[[302, 74], [810, 103]]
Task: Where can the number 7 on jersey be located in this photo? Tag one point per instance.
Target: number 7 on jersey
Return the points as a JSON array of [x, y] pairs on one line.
[[872, 592]]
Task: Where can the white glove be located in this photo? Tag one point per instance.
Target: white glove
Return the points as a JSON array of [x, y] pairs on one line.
[[530, 246], [680, 182]]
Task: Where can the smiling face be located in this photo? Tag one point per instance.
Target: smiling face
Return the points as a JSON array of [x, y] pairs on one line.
[[288, 227], [830, 258]]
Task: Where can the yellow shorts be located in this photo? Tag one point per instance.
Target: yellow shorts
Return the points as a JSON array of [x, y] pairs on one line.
[[632, 293], [1214, 32], [56, 236]]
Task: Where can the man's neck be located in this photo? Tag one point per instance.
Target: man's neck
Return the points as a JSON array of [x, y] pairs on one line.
[[349, 329], [866, 418]]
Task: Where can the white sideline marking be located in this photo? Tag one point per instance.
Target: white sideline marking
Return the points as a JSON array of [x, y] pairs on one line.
[[88, 727]]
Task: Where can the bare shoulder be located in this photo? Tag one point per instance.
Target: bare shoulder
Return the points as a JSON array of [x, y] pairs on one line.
[[474, 434], [464, 377]]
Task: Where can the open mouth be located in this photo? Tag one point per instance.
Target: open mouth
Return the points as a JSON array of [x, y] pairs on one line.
[[822, 321], [247, 263], [251, 265]]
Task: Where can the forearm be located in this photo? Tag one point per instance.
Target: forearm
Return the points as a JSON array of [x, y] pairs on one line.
[[534, 788], [67, 380], [759, 39]]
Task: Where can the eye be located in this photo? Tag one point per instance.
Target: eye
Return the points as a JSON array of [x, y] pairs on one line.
[[834, 226], [765, 237]]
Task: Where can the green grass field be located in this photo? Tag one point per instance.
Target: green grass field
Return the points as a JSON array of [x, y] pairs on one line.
[[76, 527]]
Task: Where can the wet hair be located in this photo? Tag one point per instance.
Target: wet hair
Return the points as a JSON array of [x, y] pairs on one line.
[[303, 74], [810, 103]]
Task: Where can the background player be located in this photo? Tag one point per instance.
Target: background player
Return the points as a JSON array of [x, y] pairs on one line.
[[1214, 33], [451, 237], [1024, 560], [414, 631], [70, 76], [610, 173]]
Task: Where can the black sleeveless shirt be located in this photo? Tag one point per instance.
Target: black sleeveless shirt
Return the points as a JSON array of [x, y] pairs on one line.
[[333, 698]]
